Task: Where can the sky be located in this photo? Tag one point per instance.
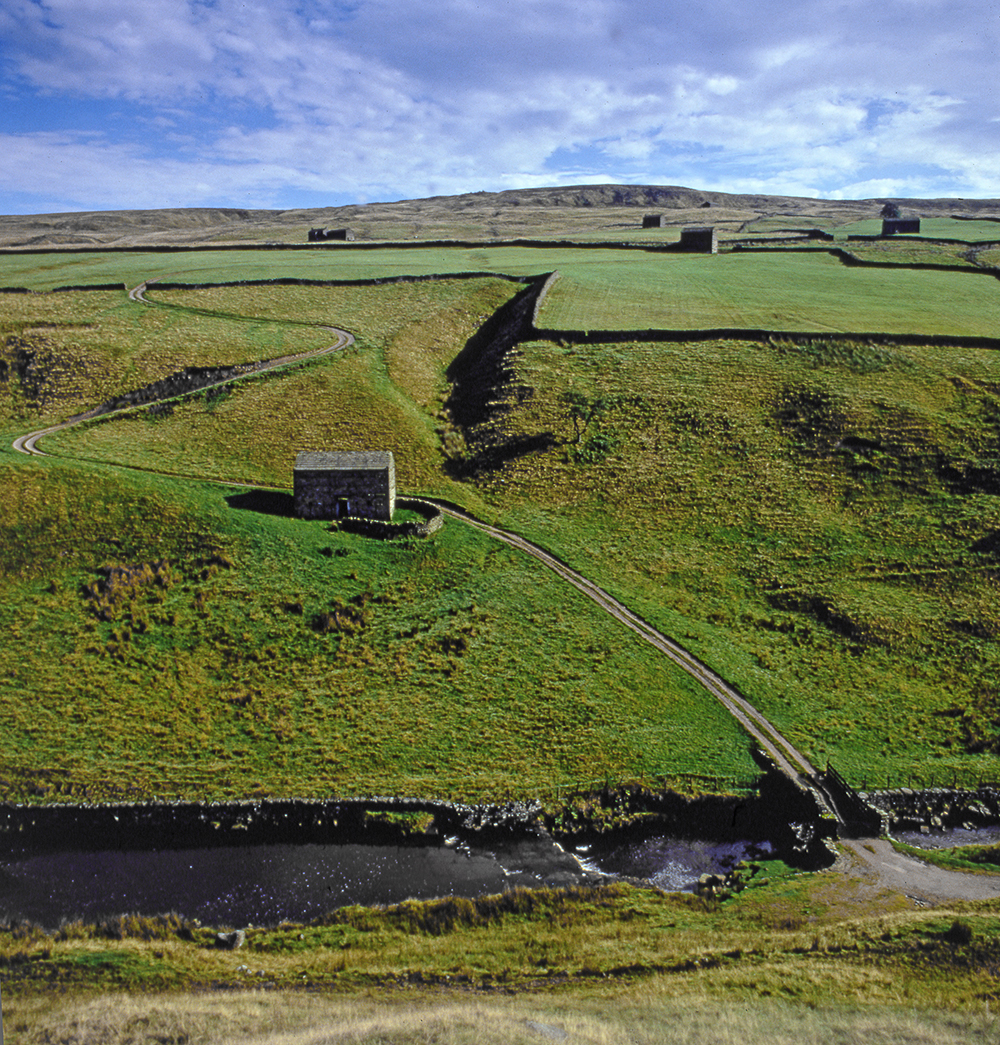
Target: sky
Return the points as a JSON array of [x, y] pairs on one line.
[[279, 104]]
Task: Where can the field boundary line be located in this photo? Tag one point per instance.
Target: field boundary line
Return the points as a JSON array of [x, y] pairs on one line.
[[602, 337]]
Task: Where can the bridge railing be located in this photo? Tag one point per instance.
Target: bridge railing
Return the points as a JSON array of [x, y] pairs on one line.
[[855, 812]]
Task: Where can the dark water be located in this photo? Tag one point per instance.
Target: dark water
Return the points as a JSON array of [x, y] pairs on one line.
[[671, 864], [262, 884], [266, 884]]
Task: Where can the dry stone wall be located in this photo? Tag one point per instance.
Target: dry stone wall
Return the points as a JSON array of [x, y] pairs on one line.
[[433, 522]]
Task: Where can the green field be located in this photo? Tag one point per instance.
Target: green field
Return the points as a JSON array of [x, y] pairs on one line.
[[787, 291], [816, 519], [935, 228], [610, 289], [249, 653]]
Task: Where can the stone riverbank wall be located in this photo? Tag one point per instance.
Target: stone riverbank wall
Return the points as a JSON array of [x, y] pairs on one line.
[[907, 809], [173, 825], [779, 812]]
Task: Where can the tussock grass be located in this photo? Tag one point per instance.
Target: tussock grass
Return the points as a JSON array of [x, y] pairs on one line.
[[251, 1016], [613, 963]]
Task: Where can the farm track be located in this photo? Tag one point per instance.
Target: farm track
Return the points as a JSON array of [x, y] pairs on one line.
[[871, 861], [787, 758], [28, 444]]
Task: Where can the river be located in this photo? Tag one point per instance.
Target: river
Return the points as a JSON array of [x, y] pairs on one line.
[[237, 885]]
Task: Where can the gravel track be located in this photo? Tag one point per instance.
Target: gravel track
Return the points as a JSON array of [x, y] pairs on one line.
[[789, 760], [871, 860]]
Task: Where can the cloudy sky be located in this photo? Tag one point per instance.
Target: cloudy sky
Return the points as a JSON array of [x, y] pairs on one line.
[[108, 104]]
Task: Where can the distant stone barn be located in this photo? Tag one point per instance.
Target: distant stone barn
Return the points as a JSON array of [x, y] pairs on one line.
[[653, 221], [891, 226], [700, 238], [335, 484], [317, 235]]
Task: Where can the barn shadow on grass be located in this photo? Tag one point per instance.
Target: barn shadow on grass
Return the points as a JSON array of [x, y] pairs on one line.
[[264, 502]]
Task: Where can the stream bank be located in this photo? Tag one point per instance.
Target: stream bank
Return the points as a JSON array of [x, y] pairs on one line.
[[263, 862], [786, 815]]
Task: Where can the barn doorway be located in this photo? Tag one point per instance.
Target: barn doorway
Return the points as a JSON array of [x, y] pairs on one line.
[[341, 508]]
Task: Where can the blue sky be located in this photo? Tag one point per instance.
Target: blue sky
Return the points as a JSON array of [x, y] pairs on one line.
[[109, 104]]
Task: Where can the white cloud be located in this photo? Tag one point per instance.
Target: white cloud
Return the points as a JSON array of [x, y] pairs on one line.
[[376, 98]]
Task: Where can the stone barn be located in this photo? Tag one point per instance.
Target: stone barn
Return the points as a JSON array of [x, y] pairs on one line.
[[653, 221], [892, 226], [316, 235], [700, 238], [335, 484]]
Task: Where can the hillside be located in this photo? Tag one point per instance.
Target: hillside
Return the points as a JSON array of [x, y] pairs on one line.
[[562, 211]]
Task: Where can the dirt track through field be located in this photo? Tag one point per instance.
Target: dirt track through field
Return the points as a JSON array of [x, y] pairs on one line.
[[872, 860], [786, 757], [28, 444]]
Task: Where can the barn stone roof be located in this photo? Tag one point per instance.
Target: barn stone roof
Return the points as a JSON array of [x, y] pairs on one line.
[[343, 461]]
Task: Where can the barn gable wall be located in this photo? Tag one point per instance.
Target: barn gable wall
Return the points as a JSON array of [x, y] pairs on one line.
[[331, 485], [891, 226], [703, 239]]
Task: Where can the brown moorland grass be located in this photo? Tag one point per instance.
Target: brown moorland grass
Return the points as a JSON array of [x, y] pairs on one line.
[[550, 955], [415, 1017], [574, 210]]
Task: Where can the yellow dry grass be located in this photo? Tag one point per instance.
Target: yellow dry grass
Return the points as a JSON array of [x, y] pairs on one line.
[[641, 1016]]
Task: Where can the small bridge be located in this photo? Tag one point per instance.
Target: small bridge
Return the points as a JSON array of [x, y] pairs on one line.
[[857, 818]]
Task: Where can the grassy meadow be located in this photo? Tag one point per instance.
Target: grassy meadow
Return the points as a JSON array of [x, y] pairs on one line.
[[245, 653], [244, 685], [778, 962], [938, 227], [793, 291], [388, 389], [817, 520], [343, 262]]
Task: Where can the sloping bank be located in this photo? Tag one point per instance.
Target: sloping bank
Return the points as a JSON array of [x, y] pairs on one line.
[[787, 816]]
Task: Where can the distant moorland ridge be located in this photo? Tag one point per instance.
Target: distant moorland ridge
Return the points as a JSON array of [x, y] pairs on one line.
[[570, 210]]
